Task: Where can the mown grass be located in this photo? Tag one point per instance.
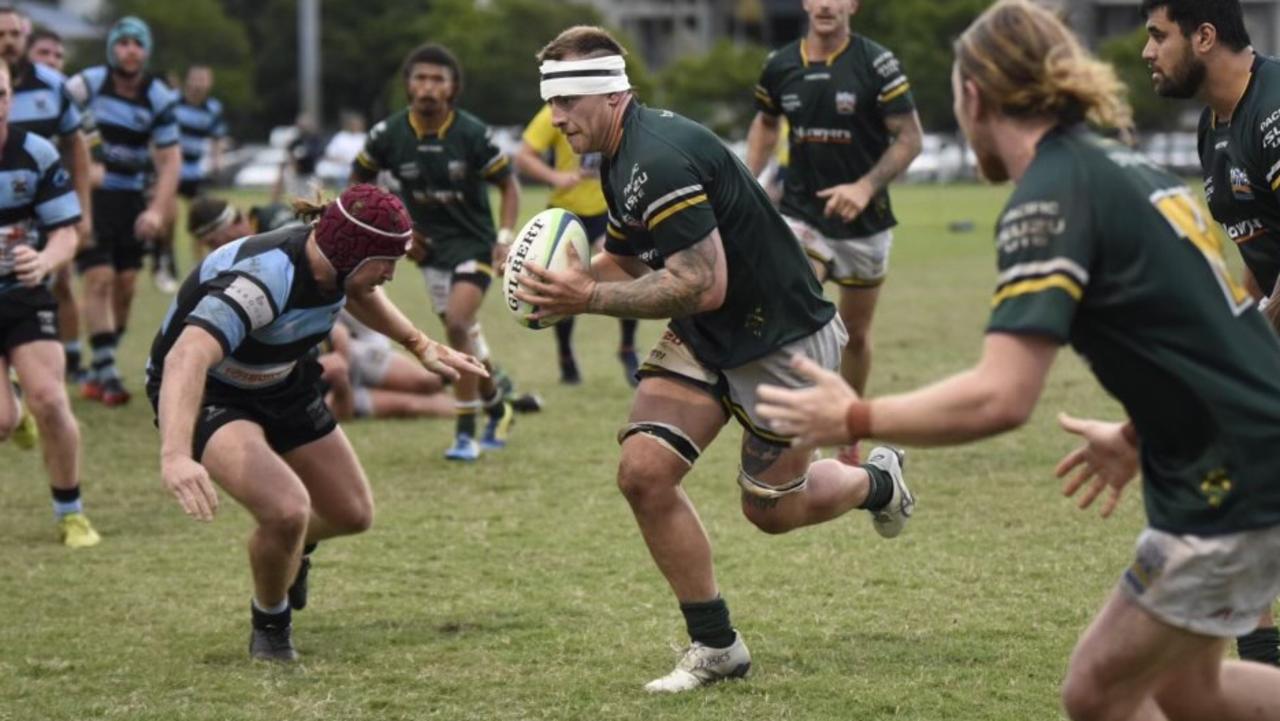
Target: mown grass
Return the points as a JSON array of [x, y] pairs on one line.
[[518, 588]]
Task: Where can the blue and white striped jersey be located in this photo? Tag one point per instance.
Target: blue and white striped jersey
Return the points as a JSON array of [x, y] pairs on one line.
[[257, 296], [128, 126], [36, 197], [197, 124], [41, 104]]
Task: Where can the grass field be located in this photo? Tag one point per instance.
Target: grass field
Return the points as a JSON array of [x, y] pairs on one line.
[[519, 588]]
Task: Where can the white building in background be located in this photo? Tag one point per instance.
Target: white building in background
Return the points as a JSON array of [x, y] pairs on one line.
[[667, 29], [72, 19], [1097, 20]]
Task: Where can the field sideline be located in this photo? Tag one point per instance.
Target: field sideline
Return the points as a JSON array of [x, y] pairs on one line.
[[519, 588]]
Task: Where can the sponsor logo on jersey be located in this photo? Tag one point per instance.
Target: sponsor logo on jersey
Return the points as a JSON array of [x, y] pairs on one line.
[[846, 102], [1030, 225], [1245, 230], [887, 65], [817, 76], [409, 171], [19, 186], [1240, 186], [1216, 486], [633, 193], [841, 136], [791, 102], [457, 170]]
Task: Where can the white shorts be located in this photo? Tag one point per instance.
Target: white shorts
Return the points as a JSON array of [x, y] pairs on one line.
[[1210, 585], [440, 281], [853, 262], [736, 387], [369, 359]]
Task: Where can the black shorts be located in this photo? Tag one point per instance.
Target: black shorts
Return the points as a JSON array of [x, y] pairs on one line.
[[26, 316], [114, 244], [189, 189], [288, 419], [594, 225]]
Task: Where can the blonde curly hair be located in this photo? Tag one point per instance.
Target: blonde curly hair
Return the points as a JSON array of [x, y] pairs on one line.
[[1027, 63]]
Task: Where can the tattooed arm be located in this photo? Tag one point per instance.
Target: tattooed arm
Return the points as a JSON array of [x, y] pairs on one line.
[[692, 281]]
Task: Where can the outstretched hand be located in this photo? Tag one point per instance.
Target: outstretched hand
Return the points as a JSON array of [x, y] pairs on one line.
[[815, 415], [1107, 462], [440, 358]]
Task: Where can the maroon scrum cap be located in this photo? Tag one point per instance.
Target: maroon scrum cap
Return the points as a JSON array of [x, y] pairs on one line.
[[364, 223]]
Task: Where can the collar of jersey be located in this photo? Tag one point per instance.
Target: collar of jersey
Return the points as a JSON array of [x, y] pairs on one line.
[[423, 132], [804, 54]]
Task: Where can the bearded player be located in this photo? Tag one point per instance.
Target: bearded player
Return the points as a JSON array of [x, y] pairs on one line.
[[691, 237], [444, 160]]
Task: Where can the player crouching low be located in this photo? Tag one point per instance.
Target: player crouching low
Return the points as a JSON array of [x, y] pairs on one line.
[[238, 398]]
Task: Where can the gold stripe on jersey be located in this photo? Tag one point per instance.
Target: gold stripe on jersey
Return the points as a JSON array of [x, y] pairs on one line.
[[421, 130], [653, 222], [614, 232], [763, 96], [1275, 184], [496, 165], [804, 51], [896, 92], [1061, 281], [366, 162]]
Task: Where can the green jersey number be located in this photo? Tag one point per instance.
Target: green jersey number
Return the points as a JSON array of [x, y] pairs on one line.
[[1187, 218]]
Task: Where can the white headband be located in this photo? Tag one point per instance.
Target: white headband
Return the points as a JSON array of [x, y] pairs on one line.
[[370, 228], [593, 76], [224, 219]]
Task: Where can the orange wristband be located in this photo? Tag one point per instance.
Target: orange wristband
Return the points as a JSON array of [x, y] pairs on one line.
[[857, 420]]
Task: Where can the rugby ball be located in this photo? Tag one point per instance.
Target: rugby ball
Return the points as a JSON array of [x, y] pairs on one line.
[[544, 240]]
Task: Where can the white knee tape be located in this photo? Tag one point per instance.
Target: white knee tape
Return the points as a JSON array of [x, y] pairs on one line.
[[478, 343]]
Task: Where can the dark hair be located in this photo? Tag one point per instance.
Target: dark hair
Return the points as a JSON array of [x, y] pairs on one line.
[[203, 211], [1226, 16], [43, 33], [581, 41], [434, 54]]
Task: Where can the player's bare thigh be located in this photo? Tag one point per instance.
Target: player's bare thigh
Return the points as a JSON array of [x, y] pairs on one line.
[[674, 407], [335, 480], [240, 460]]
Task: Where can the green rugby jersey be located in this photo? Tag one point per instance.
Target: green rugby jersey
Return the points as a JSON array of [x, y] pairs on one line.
[[1241, 162], [443, 180], [1100, 247], [836, 110], [669, 185]]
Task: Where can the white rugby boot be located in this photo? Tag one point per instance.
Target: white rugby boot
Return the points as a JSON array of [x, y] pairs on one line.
[[890, 520], [703, 666]]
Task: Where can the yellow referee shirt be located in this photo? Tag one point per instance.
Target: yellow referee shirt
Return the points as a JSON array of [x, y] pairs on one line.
[[584, 199]]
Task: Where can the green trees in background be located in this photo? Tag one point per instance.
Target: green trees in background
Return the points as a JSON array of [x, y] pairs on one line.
[[252, 46], [1150, 111], [188, 33]]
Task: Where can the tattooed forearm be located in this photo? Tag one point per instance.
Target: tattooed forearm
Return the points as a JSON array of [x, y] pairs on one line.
[[675, 291], [906, 145]]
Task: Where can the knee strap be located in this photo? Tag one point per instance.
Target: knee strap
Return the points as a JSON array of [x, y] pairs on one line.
[[758, 489], [479, 343], [669, 436]]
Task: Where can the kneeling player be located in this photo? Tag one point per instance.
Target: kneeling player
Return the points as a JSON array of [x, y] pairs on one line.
[[237, 397]]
